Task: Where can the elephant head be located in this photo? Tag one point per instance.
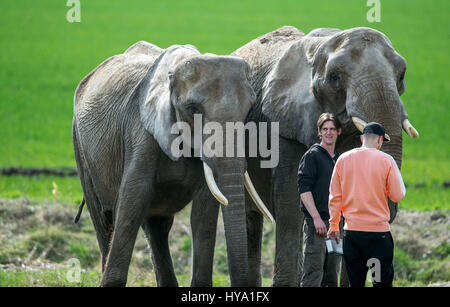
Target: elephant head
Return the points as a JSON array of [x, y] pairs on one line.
[[185, 90], [355, 74]]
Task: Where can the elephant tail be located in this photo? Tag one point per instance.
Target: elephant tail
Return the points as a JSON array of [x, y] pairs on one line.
[[80, 209], [80, 163]]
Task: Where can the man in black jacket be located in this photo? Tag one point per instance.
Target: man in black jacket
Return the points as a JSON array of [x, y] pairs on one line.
[[314, 175]]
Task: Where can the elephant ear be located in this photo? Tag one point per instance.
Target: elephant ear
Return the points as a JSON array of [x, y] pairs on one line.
[[156, 110], [287, 96]]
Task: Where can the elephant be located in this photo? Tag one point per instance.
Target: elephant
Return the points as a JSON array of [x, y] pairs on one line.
[[129, 113], [355, 74]]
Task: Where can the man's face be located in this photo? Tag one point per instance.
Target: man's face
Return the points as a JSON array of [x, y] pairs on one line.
[[329, 133]]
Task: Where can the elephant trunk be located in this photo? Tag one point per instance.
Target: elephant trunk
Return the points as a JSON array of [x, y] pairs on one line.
[[231, 183], [393, 148]]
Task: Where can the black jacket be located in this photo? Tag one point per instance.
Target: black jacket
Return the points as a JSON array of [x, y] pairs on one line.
[[314, 175]]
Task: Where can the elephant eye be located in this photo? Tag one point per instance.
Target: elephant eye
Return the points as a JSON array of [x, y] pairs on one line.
[[334, 80], [401, 83], [334, 77], [193, 109]]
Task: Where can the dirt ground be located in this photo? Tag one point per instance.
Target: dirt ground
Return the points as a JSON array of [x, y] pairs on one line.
[[424, 235], [420, 235], [420, 232]]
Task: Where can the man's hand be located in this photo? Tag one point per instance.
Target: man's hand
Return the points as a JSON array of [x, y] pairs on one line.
[[320, 226], [308, 201], [333, 234]]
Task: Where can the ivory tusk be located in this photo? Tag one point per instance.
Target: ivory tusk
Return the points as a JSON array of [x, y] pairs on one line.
[[409, 129], [248, 185], [254, 195], [359, 123], [213, 186]]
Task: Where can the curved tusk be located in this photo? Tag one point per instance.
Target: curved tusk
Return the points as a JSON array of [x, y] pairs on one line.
[[213, 186], [254, 195], [409, 129], [359, 123]]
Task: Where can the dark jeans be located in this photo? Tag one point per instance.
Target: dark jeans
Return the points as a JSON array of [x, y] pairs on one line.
[[364, 250]]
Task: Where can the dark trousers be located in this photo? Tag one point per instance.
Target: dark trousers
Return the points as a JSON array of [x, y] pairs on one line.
[[369, 250], [319, 268]]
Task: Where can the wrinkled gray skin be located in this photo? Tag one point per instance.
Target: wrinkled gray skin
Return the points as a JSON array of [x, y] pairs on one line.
[[123, 114], [297, 77]]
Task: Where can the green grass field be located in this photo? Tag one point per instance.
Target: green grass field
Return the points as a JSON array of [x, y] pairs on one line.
[[43, 57]]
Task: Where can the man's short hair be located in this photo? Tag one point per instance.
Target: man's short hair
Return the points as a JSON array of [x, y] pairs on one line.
[[324, 117], [370, 136]]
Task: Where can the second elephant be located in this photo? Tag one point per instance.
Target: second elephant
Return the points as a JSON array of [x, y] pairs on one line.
[[355, 74]]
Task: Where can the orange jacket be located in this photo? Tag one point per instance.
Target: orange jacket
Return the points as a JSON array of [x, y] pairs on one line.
[[362, 180]]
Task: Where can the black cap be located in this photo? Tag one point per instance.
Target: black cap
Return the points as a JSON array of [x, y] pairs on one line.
[[376, 128]]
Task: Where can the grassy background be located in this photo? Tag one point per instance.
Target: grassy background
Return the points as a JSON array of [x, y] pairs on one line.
[[43, 57]]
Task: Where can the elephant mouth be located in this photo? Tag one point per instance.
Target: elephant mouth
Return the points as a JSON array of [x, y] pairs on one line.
[[218, 195]]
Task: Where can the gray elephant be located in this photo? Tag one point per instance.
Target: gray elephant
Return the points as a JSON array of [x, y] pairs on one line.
[[129, 113], [355, 74]]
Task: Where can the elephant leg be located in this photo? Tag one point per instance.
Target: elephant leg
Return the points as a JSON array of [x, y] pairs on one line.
[[343, 280], [103, 227], [157, 230], [132, 201], [254, 237], [204, 214], [102, 220], [288, 216], [288, 252]]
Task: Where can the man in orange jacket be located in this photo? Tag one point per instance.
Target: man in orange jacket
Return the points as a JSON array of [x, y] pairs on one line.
[[362, 180]]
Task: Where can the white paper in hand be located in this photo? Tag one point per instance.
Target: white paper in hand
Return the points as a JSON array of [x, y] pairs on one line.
[[333, 247]]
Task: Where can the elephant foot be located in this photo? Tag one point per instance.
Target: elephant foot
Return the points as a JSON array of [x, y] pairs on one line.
[[286, 280], [201, 284], [167, 283], [113, 283], [113, 278]]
